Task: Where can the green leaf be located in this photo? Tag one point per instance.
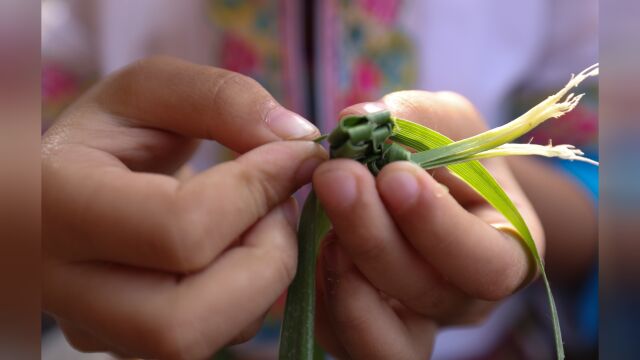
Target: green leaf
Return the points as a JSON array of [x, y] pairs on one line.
[[553, 106], [320, 138], [296, 340], [475, 175]]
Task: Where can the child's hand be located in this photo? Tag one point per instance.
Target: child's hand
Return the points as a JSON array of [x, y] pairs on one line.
[[141, 264], [409, 255]]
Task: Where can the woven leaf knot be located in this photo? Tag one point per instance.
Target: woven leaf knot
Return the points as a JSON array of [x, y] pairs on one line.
[[364, 139]]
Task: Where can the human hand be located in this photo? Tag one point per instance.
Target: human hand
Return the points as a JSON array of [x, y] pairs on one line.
[[142, 264], [409, 255]]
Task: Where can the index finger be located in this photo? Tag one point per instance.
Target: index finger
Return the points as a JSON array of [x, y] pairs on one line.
[[102, 211], [462, 247]]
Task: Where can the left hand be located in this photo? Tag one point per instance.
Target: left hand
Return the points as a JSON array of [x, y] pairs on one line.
[[140, 263], [407, 254]]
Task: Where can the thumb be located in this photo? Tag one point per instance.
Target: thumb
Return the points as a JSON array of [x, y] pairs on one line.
[[200, 102]]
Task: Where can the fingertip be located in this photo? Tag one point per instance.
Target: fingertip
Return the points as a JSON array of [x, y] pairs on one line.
[[299, 158], [353, 167], [336, 182], [308, 166], [399, 184]]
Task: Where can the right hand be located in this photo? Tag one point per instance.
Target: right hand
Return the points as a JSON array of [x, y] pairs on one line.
[[142, 264], [407, 255]]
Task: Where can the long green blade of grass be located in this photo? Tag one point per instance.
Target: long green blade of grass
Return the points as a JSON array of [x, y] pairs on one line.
[[475, 175], [297, 340]]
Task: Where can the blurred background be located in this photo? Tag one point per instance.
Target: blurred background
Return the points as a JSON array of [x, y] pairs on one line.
[[317, 57]]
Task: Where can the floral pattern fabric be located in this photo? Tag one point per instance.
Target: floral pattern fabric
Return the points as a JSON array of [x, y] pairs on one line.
[[362, 51], [260, 39], [363, 54]]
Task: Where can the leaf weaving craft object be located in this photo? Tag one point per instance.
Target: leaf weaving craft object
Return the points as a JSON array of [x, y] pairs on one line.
[[364, 138], [376, 139]]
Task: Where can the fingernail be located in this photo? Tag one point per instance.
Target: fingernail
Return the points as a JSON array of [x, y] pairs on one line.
[[400, 188], [288, 125], [340, 184], [290, 209]]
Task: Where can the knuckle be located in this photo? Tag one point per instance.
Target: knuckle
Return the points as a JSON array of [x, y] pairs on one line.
[[233, 84], [407, 100], [279, 258], [124, 86], [186, 245], [261, 193], [464, 107], [255, 96], [242, 81], [179, 242]]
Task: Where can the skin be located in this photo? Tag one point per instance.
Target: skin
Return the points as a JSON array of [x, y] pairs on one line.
[[144, 259]]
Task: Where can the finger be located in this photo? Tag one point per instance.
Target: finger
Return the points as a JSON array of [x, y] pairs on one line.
[[248, 332], [366, 325], [81, 339], [200, 102], [471, 254], [156, 315], [147, 115], [370, 238], [109, 213], [455, 116]]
